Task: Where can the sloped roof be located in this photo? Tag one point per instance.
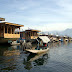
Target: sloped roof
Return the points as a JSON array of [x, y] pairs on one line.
[[4, 22]]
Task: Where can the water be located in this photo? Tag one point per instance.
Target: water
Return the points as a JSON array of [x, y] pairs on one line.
[[57, 59]]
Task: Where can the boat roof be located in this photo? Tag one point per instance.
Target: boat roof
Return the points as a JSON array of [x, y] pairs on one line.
[[2, 19], [45, 39], [4, 22], [33, 30]]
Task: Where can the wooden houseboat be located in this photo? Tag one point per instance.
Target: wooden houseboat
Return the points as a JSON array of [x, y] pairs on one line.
[[7, 31], [29, 34]]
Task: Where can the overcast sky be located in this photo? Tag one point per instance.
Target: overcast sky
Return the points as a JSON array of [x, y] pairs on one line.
[[45, 15]]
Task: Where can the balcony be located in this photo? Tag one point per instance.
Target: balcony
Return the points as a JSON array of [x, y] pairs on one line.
[[34, 37], [6, 35]]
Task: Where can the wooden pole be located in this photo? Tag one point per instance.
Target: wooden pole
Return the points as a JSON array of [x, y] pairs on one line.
[[7, 29], [11, 30], [19, 30], [4, 28]]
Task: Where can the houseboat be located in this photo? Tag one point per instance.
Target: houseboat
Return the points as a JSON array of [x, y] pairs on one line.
[[7, 31], [30, 34]]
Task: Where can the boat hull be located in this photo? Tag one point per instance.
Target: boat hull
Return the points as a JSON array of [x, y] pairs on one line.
[[37, 51], [15, 44], [5, 40]]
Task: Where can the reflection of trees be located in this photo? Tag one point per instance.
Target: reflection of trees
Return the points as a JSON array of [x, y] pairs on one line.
[[37, 59]]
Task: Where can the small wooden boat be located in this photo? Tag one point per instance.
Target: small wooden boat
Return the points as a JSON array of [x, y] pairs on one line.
[[15, 43], [37, 51]]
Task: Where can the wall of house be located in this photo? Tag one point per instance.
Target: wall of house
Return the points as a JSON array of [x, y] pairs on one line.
[[31, 35], [8, 31]]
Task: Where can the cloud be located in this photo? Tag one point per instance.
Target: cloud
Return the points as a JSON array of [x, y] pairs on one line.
[[39, 14], [50, 26], [65, 7], [23, 8]]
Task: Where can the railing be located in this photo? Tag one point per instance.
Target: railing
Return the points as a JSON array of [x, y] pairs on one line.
[[6, 35], [34, 37]]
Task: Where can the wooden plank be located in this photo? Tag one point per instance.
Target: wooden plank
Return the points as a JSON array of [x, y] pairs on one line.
[[6, 35]]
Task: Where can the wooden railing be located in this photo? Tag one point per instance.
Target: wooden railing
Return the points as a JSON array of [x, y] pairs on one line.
[[6, 35], [34, 37]]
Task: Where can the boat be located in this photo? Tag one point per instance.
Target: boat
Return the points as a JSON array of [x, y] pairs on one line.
[[7, 31], [29, 35], [15, 43], [37, 51], [42, 45]]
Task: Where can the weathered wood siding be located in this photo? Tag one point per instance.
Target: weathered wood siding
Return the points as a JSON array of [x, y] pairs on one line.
[[11, 35]]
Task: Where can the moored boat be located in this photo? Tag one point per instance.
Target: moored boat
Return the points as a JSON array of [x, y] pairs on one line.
[[30, 35], [37, 51], [7, 31], [15, 43], [42, 45]]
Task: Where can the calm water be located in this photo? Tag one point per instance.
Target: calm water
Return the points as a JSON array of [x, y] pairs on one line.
[[57, 59]]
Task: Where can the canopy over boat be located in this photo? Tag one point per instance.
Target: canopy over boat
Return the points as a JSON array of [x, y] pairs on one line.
[[45, 39]]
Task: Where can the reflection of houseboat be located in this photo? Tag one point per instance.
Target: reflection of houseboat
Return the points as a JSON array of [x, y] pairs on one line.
[[65, 38], [11, 53], [7, 31], [29, 34]]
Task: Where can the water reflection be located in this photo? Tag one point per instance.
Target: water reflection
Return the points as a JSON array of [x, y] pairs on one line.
[[41, 60], [13, 50], [13, 58], [58, 44], [9, 68], [8, 57], [38, 59]]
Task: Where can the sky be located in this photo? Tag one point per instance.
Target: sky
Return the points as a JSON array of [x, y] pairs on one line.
[[44, 15]]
